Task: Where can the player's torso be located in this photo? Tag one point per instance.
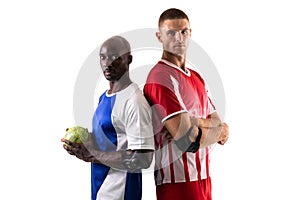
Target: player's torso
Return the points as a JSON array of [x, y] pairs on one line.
[[109, 120], [109, 130], [171, 165]]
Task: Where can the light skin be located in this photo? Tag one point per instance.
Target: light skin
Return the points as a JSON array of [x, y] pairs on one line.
[[174, 34], [174, 47], [115, 58]]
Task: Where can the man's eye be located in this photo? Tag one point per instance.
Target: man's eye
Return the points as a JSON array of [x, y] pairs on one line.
[[171, 33], [184, 32], [102, 57], [114, 58]]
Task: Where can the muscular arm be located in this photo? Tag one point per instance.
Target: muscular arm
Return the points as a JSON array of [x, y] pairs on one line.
[[89, 153], [212, 129], [124, 159], [213, 120]]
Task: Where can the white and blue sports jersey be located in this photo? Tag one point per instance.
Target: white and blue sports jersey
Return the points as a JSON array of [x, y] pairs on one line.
[[121, 121]]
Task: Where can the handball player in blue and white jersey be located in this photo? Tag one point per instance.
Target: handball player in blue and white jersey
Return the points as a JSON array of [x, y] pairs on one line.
[[121, 143]]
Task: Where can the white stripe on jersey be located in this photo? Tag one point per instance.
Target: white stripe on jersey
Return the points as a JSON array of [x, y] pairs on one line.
[[179, 175], [193, 172], [177, 93], [113, 187], [202, 154]]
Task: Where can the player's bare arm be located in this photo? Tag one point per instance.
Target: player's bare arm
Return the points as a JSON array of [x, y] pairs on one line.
[[212, 130], [212, 120], [125, 160], [212, 135], [214, 123], [186, 135]]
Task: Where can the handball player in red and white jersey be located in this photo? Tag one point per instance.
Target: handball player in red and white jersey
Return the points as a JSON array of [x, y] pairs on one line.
[[185, 120]]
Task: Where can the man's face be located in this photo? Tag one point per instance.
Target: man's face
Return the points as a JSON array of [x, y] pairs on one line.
[[114, 62], [174, 35]]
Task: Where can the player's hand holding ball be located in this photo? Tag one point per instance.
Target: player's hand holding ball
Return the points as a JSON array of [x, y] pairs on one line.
[[77, 134], [77, 142]]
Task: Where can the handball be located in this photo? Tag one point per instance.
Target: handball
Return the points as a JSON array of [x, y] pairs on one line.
[[77, 134]]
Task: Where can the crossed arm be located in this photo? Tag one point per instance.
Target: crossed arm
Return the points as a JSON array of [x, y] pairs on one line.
[[213, 130]]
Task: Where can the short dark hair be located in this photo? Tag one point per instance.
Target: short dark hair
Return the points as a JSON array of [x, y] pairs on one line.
[[172, 13]]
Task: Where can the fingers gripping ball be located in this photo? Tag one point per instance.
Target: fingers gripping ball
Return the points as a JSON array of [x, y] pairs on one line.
[[77, 134]]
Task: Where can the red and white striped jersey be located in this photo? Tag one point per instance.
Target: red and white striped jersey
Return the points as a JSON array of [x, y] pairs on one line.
[[171, 91]]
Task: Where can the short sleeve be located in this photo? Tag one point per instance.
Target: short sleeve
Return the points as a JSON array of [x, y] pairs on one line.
[[138, 123], [211, 106], [164, 96]]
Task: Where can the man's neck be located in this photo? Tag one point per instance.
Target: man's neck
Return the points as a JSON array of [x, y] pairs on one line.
[[116, 86], [177, 60]]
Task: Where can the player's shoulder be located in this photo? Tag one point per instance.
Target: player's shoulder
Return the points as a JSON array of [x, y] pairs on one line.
[[134, 92], [135, 97], [102, 96], [130, 91], [196, 74], [159, 73]]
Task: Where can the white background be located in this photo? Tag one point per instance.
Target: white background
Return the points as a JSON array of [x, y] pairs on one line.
[[254, 45]]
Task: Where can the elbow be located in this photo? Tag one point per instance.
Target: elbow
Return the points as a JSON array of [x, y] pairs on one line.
[[149, 159], [137, 160]]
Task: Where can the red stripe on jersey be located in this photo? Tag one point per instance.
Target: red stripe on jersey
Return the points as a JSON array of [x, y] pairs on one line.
[[198, 165], [185, 166]]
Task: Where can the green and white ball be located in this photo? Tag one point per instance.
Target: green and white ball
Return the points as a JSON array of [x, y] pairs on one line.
[[77, 134]]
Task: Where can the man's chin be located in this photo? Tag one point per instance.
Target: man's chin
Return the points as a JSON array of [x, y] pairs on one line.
[[109, 78], [178, 52], [181, 54]]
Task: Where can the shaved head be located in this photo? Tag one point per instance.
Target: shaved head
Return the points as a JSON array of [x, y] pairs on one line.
[[118, 43]]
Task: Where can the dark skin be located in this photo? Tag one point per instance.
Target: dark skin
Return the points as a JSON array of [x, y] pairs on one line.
[[115, 58], [89, 153]]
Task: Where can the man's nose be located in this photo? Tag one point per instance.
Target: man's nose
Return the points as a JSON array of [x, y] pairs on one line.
[[106, 63], [178, 36]]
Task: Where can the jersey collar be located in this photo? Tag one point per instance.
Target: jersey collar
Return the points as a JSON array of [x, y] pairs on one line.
[[187, 73]]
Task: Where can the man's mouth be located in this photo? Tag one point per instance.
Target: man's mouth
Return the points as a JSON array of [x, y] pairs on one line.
[[107, 72], [179, 46]]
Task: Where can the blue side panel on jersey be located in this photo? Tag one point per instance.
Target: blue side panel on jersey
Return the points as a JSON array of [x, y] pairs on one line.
[[106, 138], [133, 189], [99, 173], [103, 128]]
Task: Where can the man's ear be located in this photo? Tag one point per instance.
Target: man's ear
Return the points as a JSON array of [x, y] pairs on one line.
[[158, 35], [129, 59]]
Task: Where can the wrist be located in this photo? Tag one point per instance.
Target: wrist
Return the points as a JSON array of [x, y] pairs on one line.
[[96, 155], [200, 123]]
